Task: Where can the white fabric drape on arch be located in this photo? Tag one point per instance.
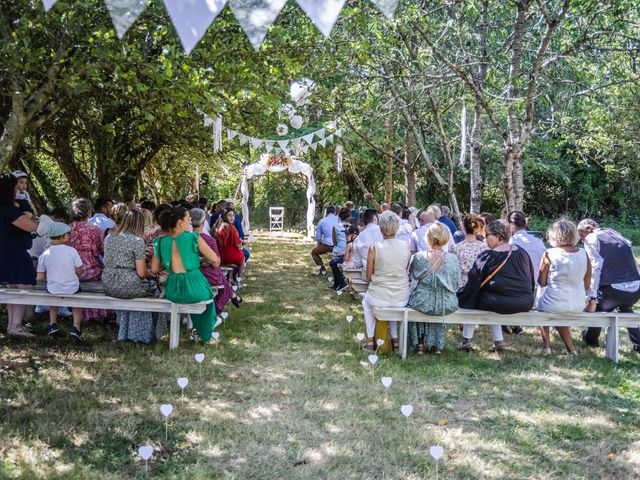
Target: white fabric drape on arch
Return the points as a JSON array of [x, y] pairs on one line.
[[262, 167]]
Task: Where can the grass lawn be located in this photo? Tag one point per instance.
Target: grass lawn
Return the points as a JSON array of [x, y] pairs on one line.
[[284, 396]]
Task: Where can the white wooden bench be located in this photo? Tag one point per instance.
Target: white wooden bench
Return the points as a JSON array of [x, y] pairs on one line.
[[610, 321], [352, 273], [100, 300]]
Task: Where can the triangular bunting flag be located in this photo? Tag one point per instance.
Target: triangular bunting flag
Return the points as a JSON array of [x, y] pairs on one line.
[[388, 7], [329, 138], [208, 121], [48, 4], [124, 13], [255, 17], [305, 149], [284, 144], [231, 134], [277, 150], [308, 138], [333, 125], [191, 18], [320, 133], [268, 148], [323, 142], [256, 142], [323, 13], [295, 142], [314, 146], [269, 143], [338, 133], [243, 139]]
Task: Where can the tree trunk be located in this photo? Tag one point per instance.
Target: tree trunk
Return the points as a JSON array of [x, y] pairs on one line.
[[518, 181], [507, 178], [408, 165], [12, 136], [63, 152]]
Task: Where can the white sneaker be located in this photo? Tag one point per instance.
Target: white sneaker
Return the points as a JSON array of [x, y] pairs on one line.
[[218, 322], [65, 312]]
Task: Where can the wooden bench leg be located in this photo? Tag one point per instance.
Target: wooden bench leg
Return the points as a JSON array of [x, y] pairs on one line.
[[613, 340], [174, 328], [404, 335]]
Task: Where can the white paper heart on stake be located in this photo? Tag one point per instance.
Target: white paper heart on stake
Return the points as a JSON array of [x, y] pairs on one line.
[[166, 409], [183, 382], [386, 381], [234, 288], [349, 318], [215, 335], [339, 292], [373, 359], [406, 410], [360, 336], [199, 357], [364, 364], [145, 452], [224, 315], [329, 278], [436, 452], [379, 342]]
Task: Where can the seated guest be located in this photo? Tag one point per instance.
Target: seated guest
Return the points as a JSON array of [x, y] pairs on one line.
[[405, 229], [368, 236], [438, 278], [500, 281], [353, 213], [615, 283], [211, 271], [101, 212], [179, 253], [387, 264], [61, 266], [418, 240], [324, 238], [566, 272], [118, 211], [237, 222], [487, 218], [16, 267], [468, 250], [125, 276], [88, 240], [229, 243], [446, 219]]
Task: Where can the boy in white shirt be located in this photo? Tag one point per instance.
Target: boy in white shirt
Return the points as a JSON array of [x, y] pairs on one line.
[[61, 266]]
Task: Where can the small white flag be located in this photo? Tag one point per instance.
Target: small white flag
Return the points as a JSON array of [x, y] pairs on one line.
[[305, 149], [192, 18], [208, 121], [338, 133], [284, 144], [243, 139], [323, 13], [48, 4], [277, 150], [124, 13], [329, 138], [256, 142], [388, 7], [308, 138], [314, 146], [323, 142], [269, 143], [320, 133], [231, 134], [295, 142], [255, 17]]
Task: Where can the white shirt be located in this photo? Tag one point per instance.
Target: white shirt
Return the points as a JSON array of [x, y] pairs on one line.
[[101, 221], [41, 241], [59, 262], [419, 240], [533, 246], [370, 235], [405, 231]]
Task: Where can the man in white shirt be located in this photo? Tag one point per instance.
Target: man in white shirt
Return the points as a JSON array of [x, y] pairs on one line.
[[324, 238], [100, 219], [615, 282], [418, 241], [405, 230], [370, 235]]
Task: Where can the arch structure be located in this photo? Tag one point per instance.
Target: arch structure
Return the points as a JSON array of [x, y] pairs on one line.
[[278, 163]]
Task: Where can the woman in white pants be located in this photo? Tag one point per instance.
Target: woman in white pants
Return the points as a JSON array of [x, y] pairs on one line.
[[387, 264]]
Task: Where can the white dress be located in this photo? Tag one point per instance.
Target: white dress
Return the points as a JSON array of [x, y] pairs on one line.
[[565, 291]]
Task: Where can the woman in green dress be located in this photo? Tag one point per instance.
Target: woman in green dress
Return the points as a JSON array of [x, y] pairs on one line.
[[179, 253], [438, 277]]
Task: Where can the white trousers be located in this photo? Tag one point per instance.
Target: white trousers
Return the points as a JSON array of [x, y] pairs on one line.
[[368, 304], [496, 332]]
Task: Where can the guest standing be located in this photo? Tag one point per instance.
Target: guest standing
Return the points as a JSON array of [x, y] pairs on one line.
[[16, 267]]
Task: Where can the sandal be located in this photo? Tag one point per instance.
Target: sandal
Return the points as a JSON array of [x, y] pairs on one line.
[[465, 346], [500, 347], [20, 331], [420, 348], [367, 344]]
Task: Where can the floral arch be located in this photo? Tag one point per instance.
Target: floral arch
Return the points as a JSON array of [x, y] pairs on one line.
[[278, 163]]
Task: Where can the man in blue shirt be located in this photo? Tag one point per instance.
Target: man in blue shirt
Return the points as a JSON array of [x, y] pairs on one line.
[[324, 238]]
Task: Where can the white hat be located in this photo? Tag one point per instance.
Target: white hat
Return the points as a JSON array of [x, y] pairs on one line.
[[19, 174]]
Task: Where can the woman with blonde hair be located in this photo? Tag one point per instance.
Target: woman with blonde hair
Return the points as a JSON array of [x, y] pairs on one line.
[[565, 270], [125, 276], [437, 274]]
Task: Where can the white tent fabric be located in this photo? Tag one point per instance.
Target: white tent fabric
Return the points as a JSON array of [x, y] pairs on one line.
[[265, 165]]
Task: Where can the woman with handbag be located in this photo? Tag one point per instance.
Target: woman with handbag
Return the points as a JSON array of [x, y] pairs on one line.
[[438, 278], [500, 281]]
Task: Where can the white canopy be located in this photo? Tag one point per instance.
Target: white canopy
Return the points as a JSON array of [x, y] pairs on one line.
[[278, 163]]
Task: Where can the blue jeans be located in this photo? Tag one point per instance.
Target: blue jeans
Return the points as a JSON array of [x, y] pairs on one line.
[[338, 278]]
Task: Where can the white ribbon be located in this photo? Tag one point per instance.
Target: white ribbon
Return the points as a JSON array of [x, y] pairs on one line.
[[463, 134]]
